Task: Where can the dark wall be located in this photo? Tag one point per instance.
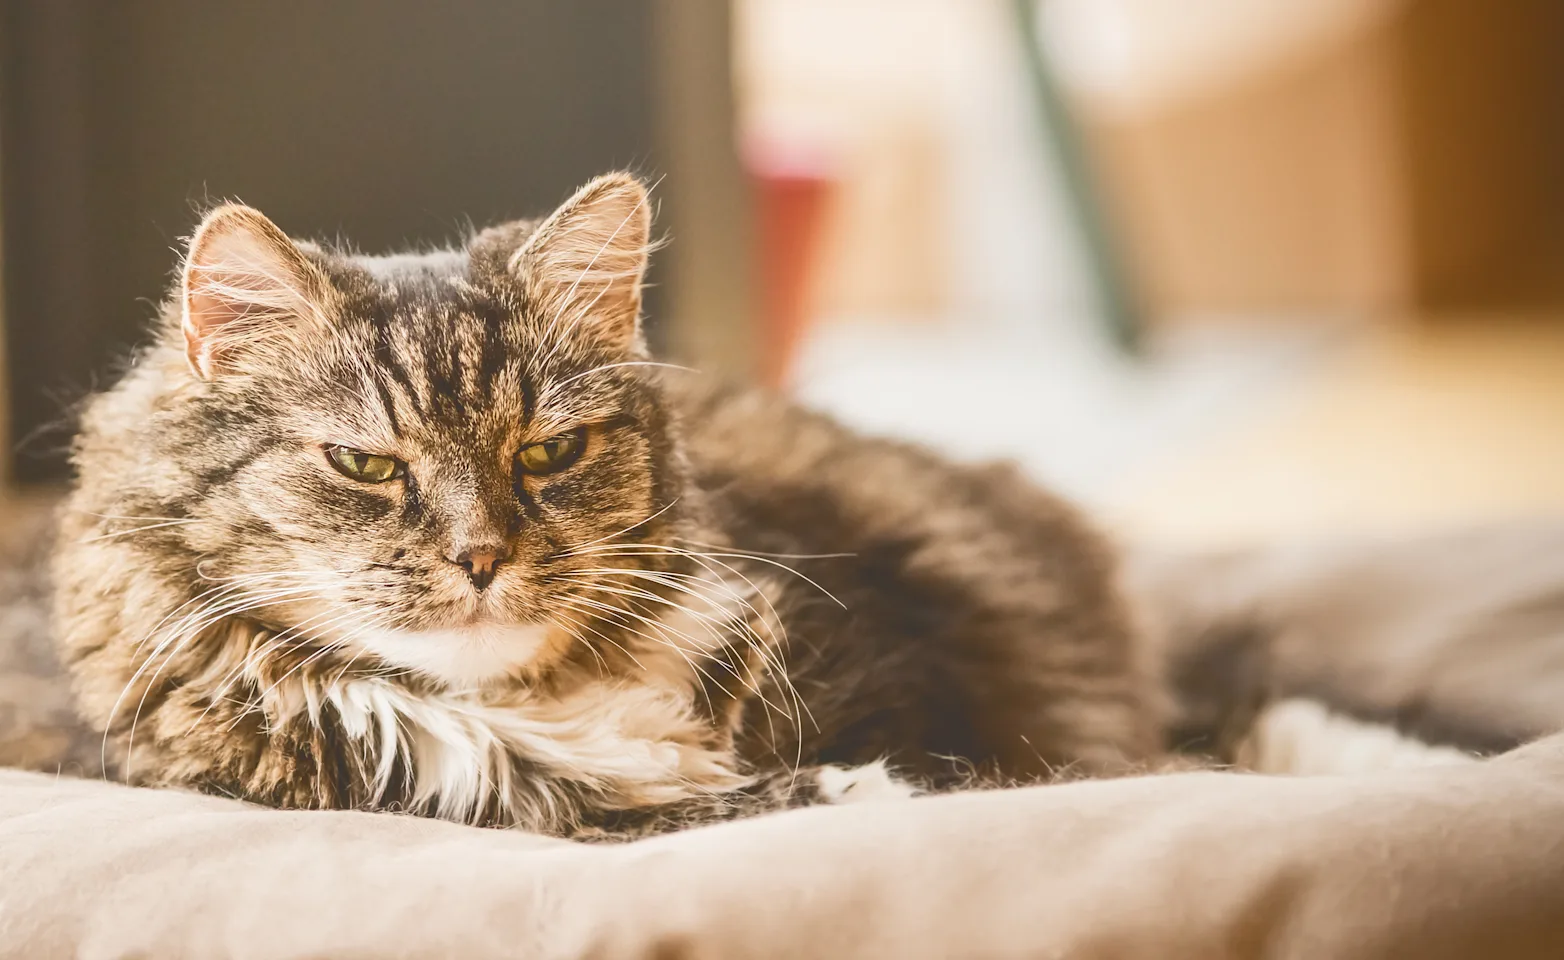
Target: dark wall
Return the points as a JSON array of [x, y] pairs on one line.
[[385, 121]]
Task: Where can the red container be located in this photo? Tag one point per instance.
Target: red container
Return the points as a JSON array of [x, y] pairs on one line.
[[792, 190]]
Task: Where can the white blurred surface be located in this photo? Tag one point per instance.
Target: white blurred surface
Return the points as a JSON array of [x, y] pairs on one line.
[[1072, 412]]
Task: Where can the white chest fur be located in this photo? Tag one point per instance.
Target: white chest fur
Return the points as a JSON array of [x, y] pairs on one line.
[[628, 742], [521, 755], [461, 656]]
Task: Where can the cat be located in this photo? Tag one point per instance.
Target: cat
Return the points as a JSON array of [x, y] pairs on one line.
[[431, 532]]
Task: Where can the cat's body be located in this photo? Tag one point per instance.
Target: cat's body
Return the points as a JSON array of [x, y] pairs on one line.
[[971, 615], [430, 533]]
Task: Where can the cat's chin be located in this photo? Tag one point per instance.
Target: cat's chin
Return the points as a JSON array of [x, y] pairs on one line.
[[468, 655]]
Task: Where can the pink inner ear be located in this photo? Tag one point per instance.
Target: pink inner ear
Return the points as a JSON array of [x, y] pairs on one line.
[[205, 315], [205, 309]]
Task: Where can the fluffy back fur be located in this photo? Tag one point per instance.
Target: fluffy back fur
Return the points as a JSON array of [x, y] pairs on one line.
[[432, 532]]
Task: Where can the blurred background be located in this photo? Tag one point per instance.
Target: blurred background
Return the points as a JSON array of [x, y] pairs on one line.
[[1223, 272]]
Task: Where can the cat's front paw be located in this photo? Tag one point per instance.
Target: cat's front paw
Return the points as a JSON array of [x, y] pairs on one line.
[[868, 783]]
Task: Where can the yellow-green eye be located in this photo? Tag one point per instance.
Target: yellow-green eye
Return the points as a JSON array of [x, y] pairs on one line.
[[552, 455], [364, 467]]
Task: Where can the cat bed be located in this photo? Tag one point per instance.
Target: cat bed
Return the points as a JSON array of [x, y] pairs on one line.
[[1450, 861], [1460, 636]]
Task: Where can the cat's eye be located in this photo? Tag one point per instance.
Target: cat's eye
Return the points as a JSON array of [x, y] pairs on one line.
[[551, 455], [363, 467]]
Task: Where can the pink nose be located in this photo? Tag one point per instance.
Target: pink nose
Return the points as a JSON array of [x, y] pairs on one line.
[[479, 562]]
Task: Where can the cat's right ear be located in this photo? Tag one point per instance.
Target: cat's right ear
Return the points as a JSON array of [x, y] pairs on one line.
[[584, 264], [246, 288]]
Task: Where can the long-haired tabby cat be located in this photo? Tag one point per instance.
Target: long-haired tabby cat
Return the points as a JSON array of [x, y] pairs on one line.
[[430, 532]]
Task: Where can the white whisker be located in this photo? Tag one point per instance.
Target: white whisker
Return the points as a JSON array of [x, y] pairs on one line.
[[561, 384], [573, 551], [126, 533]]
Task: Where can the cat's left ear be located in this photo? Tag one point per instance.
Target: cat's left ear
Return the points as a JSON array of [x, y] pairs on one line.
[[584, 265], [248, 292]]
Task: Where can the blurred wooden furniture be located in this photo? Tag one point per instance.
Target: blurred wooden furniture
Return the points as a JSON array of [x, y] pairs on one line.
[[1367, 158]]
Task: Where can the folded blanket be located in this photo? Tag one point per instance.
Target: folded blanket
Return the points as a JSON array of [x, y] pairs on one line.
[[1452, 861]]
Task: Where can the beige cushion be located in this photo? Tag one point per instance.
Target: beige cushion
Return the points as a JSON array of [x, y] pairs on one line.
[[1457, 861]]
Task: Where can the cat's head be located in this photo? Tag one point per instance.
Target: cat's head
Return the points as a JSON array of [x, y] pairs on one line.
[[419, 457]]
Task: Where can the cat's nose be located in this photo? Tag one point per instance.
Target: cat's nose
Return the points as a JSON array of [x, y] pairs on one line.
[[480, 561]]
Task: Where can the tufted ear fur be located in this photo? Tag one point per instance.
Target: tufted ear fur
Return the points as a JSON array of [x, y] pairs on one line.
[[246, 288], [584, 265]]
